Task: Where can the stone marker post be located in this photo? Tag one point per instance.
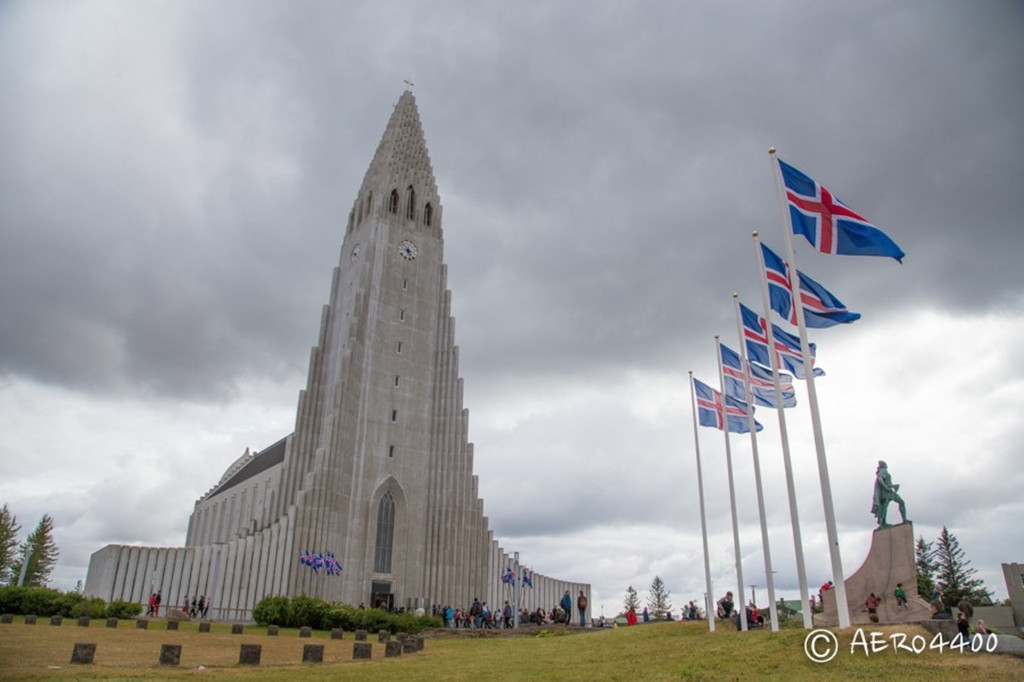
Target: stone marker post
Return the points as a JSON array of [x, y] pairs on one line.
[[170, 654], [84, 652], [249, 654]]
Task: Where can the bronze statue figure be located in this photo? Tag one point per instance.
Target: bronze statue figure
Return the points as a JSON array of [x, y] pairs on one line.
[[886, 492]]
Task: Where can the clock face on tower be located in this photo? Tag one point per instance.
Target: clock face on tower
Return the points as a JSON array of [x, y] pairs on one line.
[[408, 250]]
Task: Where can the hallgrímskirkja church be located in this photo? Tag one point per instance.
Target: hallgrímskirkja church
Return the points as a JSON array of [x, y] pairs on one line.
[[379, 470]]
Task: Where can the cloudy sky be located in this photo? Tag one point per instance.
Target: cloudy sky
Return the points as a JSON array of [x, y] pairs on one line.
[[176, 176]]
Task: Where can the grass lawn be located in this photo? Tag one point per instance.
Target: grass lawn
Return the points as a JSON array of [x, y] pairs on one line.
[[646, 652]]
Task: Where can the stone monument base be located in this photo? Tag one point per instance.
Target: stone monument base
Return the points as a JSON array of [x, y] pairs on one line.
[[890, 561]]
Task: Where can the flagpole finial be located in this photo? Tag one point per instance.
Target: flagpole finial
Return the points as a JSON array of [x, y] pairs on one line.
[[771, 150], [754, 233], [735, 295], [716, 337]]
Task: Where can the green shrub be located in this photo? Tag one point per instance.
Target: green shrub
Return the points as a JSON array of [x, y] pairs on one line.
[[308, 611], [321, 615], [75, 605], [409, 622], [39, 601], [273, 611], [342, 616], [123, 609], [373, 620], [94, 607]]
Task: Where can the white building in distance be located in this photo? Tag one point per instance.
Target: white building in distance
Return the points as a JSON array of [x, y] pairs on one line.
[[379, 470]]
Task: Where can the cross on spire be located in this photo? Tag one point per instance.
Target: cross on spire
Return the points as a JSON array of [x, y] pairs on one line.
[[408, 84]]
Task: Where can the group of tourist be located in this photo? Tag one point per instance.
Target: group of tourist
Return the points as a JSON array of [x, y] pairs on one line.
[[154, 603], [688, 612], [481, 616], [195, 607]]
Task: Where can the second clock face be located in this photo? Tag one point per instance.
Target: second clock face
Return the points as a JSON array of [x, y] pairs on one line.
[[408, 250]]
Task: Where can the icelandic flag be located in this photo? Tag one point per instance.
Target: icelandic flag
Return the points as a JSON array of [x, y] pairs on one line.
[[761, 385], [332, 565], [829, 224], [509, 578], [527, 580], [821, 308], [709, 410], [787, 346]]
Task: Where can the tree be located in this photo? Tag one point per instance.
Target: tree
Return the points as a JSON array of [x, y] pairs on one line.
[[926, 567], [955, 577], [659, 601], [9, 530], [632, 601], [42, 552]]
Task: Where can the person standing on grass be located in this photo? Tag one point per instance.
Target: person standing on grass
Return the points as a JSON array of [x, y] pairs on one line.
[[581, 605], [566, 605]]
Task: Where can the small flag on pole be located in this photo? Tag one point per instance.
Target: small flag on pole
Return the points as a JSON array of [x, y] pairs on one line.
[[821, 308], [709, 410], [787, 346], [761, 385]]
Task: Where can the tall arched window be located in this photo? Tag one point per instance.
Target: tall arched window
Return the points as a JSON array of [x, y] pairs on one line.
[[428, 214], [410, 210], [385, 534], [393, 202]]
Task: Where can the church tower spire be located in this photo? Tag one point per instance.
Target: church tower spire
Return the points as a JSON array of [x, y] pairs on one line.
[[400, 179]]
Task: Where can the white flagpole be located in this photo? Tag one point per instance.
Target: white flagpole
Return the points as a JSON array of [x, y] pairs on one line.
[[839, 582], [748, 394], [794, 514], [732, 496], [700, 493]]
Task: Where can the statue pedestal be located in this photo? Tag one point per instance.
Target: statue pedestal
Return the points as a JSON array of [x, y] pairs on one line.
[[890, 561]]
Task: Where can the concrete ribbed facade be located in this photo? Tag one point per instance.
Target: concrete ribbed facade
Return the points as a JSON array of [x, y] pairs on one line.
[[379, 469]]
